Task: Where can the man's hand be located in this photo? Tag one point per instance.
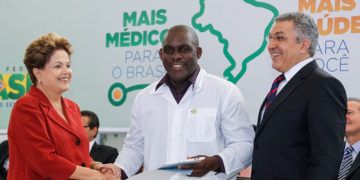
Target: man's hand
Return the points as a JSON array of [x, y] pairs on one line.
[[203, 167], [108, 169]]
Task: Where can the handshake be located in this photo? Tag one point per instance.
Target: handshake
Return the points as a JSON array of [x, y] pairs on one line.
[[104, 171], [200, 165]]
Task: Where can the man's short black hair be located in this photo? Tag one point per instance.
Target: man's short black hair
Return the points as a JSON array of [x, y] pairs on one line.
[[94, 120]]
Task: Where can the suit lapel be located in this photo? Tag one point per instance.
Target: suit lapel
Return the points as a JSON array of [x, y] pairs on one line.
[[289, 88], [94, 151], [49, 112], [54, 116], [355, 165]]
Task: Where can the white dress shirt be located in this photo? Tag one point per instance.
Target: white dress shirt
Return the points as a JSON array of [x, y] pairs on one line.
[[91, 144], [356, 147], [291, 73]]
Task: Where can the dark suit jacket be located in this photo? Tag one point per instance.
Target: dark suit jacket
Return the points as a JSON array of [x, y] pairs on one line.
[[354, 172], [4, 154], [104, 154], [301, 135]]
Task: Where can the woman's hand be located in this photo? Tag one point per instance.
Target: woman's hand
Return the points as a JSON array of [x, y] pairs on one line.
[[107, 169]]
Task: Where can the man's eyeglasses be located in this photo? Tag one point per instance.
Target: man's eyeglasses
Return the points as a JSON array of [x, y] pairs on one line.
[[86, 126]]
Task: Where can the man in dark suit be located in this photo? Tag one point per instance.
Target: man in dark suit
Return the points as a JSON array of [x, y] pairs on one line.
[[4, 159], [101, 153], [301, 124], [352, 134]]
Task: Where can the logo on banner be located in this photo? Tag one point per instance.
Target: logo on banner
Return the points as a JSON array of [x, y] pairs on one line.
[[336, 20], [14, 83], [141, 60], [238, 65]]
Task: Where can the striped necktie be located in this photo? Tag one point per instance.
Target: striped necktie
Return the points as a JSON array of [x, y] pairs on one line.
[[346, 163], [272, 93]]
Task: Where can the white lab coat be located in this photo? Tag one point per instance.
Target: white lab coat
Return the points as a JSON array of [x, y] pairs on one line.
[[210, 119]]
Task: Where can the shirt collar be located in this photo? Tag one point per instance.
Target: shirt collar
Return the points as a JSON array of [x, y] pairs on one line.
[[356, 146], [296, 68], [91, 144], [191, 79]]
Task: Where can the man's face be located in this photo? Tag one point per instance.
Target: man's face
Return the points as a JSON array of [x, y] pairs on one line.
[[353, 119], [90, 132], [179, 55], [283, 47]]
